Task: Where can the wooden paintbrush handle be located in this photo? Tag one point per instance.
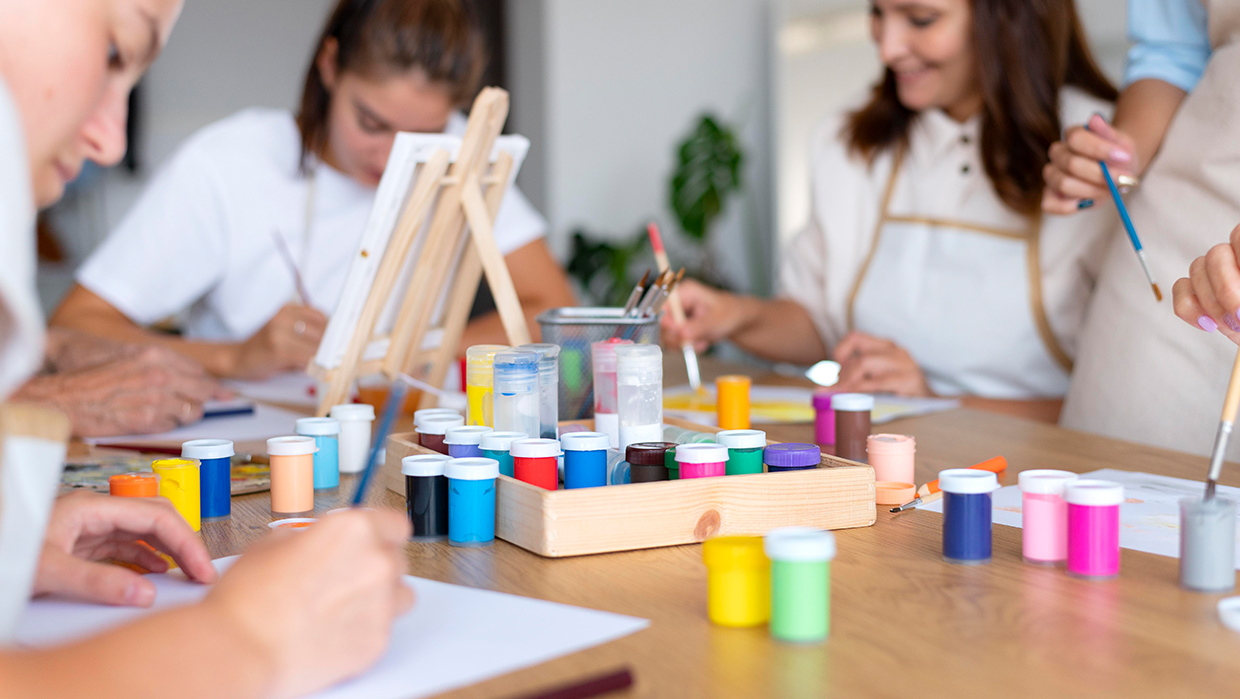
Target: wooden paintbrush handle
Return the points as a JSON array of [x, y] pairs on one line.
[[1232, 401]]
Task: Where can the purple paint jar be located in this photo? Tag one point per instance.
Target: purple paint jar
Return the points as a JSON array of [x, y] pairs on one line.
[[791, 456]]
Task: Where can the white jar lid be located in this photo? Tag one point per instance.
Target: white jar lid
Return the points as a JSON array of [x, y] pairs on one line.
[[799, 545], [353, 411], [534, 448], [207, 449], [440, 424], [1044, 481], [1089, 491], [702, 453], [585, 441], [291, 446], [474, 468], [967, 481], [852, 402], [423, 464], [465, 434], [312, 426], [741, 439], [501, 440], [420, 415]]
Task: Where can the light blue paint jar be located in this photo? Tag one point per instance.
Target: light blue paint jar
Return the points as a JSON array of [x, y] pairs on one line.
[[326, 433], [215, 474], [471, 501], [585, 459], [465, 441], [496, 445]]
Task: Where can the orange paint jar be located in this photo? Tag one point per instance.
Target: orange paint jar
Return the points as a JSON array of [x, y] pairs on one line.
[[292, 474], [732, 402]]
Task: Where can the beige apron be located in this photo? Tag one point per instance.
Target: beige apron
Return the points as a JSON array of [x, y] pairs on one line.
[[1141, 373]]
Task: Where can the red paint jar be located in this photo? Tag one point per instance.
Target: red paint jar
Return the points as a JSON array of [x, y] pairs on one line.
[[534, 461]]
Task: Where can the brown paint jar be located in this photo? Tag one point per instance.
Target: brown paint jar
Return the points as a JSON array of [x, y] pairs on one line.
[[852, 424], [433, 430], [646, 461]]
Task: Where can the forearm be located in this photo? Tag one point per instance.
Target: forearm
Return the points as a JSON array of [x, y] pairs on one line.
[[1037, 409], [1144, 111], [218, 358], [779, 330]]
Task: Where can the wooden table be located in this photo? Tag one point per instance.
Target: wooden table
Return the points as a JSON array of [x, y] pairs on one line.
[[903, 622]]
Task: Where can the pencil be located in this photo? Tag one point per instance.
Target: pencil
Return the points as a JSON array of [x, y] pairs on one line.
[[591, 687]]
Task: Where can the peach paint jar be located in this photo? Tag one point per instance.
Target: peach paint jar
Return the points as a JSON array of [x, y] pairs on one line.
[[891, 456], [292, 474]]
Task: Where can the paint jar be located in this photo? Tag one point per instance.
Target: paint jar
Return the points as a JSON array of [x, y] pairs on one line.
[[292, 474], [791, 456], [434, 430], [495, 445], [744, 450], [852, 424], [326, 433], [648, 461], [1044, 516], [800, 583], [471, 501], [738, 581], [548, 388], [479, 374], [426, 495], [617, 468], [133, 485], [214, 457], [516, 392], [824, 417], [1093, 527], [465, 441], [420, 415], [585, 459], [1208, 544], [534, 461], [966, 514], [294, 523], [179, 482], [355, 421], [702, 460], [732, 402], [891, 455], [639, 393], [670, 463], [606, 420]]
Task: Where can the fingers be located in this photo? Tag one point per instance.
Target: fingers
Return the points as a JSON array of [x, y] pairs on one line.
[[63, 574], [155, 521], [1100, 142], [857, 343], [1223, 274], [1188, 309]]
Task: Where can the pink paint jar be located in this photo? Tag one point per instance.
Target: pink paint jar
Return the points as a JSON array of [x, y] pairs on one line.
[[824, 418], [701, 460], [1044, 515], [891, 455], [1093, 527]]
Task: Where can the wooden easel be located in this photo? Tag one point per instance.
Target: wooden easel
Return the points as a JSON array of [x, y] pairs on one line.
[[448, 269]]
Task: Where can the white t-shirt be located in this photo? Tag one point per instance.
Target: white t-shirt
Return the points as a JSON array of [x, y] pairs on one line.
[[200, 237]]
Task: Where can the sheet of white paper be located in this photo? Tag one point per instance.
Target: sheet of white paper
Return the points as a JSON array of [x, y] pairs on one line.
[[784, 404], [1149, 519], [265, 422], [454, 636], [289, 388]]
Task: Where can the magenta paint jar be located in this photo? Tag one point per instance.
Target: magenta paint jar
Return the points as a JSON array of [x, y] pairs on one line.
[[702, 460], [824, 418], [1093, 527], [1044, 516]]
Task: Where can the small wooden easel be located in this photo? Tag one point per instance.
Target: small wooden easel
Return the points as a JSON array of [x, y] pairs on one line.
[[448, 269]]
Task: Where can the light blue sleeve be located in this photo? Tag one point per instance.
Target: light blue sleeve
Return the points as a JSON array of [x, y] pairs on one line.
[[1170, 42]]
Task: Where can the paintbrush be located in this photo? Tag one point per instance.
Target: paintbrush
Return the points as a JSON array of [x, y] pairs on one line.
[[1230, 404], [678, 311], [282, 247], [1132, 232], [391, 406], [648, 300], [636, 294]]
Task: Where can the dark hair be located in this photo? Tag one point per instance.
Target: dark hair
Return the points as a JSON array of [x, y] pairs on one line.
[[380, 37], [1026, 51]]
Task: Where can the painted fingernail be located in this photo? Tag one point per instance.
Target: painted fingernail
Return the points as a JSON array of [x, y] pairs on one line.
[[1119, 156], [1230, 320], [1207, 323], [1084, 204]]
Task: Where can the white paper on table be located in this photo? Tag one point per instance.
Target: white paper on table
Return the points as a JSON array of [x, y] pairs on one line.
[[289, 388], [795, 404], [454, 636], [1149, 518], [265, 422]]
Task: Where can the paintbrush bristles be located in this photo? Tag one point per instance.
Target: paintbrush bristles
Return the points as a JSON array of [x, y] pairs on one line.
[[1157, 292]]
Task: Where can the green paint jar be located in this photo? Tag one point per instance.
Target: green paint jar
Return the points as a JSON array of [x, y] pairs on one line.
[[744, 450], [673, 468], [800, 583]]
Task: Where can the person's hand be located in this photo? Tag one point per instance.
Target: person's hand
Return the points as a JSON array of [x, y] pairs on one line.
[[286, 343], [1209, 297], [320, 602], [870, 364], [1073, 176], [86, 529], [711, 315]]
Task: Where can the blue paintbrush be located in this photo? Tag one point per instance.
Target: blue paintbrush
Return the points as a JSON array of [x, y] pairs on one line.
[[1132, 232], [395, 399]]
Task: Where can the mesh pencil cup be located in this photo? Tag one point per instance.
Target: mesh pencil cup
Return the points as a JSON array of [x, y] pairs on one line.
[[292, 474], [426, 495], [178, 481], [465, 441], [534, 461], [585, 459], [967, 514], [1044, 516], [433, 430], [800, 583], [702, 460], [471, 501], [496, 444], [738, 581], [355, 421], [744, 450], [214, 457], [326, 433], [1093, 527], [791, 456]]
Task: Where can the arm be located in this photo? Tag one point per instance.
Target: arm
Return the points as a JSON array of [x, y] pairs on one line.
[[540, 284]]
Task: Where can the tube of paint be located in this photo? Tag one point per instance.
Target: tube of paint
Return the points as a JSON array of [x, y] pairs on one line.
[[534, 461], [891, 455], [1044, 516], [434, 430], [966, 514], [744, 450], [420, 415], [471, 501], [647, 461], [1093, 527], [214, 457], [791, 456], [1208, 544], [732, 402], [355, 421], [548, 388], [179, 482], [824, 417], [292, 474], [738, 581], [479, 377], [800, 583], [606, 420], [516, 391], [326, 433], [639, 393], [133, 485], [702, 460], [585, 459], [495, 445], [426, 495], [465, 441]]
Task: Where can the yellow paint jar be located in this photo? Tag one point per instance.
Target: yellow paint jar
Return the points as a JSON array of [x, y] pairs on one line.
[[178, 481], [738, 581], [292, 474], [479, 378], [732, 402]]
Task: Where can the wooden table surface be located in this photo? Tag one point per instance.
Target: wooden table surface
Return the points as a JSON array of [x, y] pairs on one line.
[[903, 622]]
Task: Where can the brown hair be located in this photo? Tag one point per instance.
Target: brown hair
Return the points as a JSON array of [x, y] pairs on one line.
[[378, 37], [1026, 50]]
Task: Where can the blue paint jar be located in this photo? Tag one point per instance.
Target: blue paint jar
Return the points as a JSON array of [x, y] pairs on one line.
[[497, 445], [967, 514], [214, 474], [471, 501], [465, 441], [326, 433], [585, 459]]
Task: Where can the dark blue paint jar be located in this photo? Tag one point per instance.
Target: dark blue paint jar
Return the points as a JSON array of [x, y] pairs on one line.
[[426, 495], [967, 514], [585, 459], [215, 474]]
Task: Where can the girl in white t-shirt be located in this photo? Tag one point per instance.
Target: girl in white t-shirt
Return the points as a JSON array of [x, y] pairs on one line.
[[202, 239]]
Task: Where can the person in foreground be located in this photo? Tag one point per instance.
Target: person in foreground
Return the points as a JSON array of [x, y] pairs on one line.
[[300, 610]]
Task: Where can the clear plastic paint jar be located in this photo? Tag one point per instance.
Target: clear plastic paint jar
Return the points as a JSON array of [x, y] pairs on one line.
[[673, 468], [800, 583], [214, 457], [548, 388], [1093, 527], [680, 435], [967, 514], [179, 482], [534, 462], [495, 445], [639, 393], [292, 474], [420, 415], [133, 485], [824, 417], [471, 501], [516, 392], [791, 456], [702, 460], [585, 459], [732, 402], [744, 450], [434, 430], [738, 581], [617, 468], [1208, 544], [891, 455], [426, 495], [326, 433], [479, 377], [852, 424], [355, 421], [648, 461], [606, 420], [1044, 515], [465, 441]]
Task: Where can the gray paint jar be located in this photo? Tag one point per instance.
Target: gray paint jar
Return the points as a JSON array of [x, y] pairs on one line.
[[1208, 544]]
